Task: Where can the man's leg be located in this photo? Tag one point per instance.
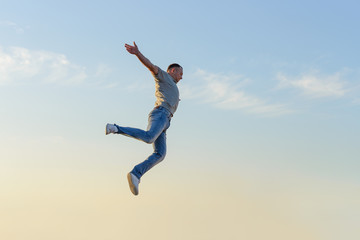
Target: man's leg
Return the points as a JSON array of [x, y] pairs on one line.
[[158, 122], [159, 154], [139, 170]]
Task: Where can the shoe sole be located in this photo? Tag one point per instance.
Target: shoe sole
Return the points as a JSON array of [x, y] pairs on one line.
[[107, 131], [131, 185]]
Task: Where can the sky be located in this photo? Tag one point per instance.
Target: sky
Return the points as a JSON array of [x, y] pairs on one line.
[[264, 144]]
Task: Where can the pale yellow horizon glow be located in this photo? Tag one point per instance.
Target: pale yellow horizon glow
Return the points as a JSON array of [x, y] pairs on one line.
[[66, 204]]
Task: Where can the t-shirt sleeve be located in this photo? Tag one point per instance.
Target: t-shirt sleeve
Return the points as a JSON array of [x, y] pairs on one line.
[[160, 76]]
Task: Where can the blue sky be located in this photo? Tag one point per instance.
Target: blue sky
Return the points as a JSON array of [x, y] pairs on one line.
[[270, 101]]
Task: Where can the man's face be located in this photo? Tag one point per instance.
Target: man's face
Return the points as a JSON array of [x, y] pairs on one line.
[[177, 73]]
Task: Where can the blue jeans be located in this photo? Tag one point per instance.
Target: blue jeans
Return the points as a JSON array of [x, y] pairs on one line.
[[158, 123]]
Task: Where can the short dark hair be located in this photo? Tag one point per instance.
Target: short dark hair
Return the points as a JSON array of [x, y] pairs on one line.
[[174, 65]]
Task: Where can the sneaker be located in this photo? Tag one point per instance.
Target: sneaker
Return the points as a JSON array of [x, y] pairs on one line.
[[110, 128], [133, 183]]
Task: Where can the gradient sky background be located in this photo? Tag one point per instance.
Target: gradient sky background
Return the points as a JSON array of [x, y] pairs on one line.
[[264, 145]]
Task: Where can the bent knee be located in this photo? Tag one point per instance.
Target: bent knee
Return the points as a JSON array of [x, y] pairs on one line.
[[161, 155], [149, 139]]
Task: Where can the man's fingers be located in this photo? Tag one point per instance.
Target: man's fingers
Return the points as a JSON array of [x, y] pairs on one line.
[[131, 49], [128, 47]]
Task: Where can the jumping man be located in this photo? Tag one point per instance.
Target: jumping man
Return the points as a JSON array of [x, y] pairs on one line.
[[167, 100]]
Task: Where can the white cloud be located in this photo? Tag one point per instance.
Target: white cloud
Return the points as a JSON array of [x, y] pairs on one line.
[[226, 92], [314, 85], [20, 65], [12, 25]]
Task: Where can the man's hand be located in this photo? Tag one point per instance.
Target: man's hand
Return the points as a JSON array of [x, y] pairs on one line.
[[135, 50], [132, 49]]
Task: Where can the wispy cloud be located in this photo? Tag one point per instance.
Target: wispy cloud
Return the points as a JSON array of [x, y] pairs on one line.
[[20, 65], [314, 85], [226, 91], [10, 24]]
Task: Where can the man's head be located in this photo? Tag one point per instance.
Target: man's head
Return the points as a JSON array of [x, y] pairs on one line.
[[175, 71]]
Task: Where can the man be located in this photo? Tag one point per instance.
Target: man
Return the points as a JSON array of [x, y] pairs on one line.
[[167, 100]]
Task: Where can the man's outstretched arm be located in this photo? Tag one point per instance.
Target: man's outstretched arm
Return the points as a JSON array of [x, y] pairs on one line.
[[135, 50]]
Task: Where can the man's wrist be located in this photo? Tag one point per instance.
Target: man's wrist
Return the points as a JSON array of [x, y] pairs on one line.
[[137, 53]]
